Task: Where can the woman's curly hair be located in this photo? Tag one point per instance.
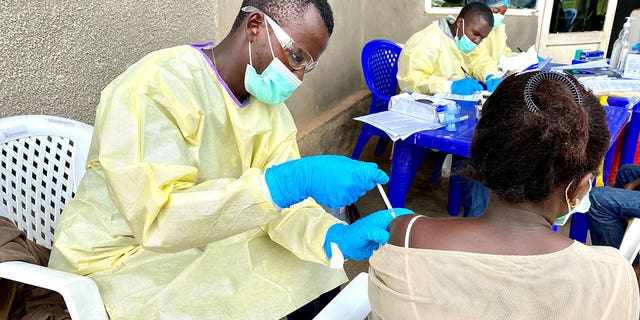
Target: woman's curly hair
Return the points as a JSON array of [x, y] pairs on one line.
[[533, 138]]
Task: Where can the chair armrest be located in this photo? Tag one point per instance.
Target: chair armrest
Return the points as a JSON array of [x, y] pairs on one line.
[[80, 293], [352, 303], [631, 241]]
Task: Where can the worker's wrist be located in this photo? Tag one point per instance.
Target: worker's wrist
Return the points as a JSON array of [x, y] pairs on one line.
[[262, 183], [447, 86]]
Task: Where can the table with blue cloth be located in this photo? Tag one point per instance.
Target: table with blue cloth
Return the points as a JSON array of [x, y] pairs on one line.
[[409, 153]]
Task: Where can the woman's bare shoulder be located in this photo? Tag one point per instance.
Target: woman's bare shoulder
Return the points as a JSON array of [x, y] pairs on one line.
[[426, 232]]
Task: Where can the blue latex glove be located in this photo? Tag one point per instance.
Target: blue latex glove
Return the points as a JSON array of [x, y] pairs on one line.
[[492, 84], [358, 240], [636, 47], [333, 181], [466, 86]]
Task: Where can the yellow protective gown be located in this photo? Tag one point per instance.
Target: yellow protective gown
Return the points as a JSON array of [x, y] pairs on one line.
[[494, 45], [170, 220], [430, 61]]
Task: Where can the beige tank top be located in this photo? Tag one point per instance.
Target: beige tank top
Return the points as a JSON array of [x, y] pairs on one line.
[[578, 282]]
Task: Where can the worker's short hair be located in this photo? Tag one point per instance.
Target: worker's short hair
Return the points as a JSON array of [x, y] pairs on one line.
[[537, 131], [477, 10], [288, 11]]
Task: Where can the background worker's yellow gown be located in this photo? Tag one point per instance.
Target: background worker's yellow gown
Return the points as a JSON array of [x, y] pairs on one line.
[[430, 61], [494, 45], [170, 220]]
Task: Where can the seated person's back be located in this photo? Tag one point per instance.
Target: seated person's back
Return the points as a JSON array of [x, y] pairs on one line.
[[538, 151]]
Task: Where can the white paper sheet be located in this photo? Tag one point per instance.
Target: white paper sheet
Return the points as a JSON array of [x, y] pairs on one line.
[[604, 84], [397, 124], [586, 65]]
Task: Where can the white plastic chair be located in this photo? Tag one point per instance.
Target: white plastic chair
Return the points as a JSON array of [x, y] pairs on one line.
[[42, 161], [631, 241], [352, 303]]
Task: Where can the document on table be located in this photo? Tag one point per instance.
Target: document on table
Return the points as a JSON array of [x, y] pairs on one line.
[[603, 84], [479, 95], [585, 65], [397, 124], [408, 113]]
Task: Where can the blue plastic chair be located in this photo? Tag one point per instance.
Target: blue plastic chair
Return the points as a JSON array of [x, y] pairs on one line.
[[379, 64]]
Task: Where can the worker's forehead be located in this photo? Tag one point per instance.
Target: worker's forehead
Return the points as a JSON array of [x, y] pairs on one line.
[[475, 19]]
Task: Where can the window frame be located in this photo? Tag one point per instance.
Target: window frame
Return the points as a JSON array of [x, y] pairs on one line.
[[455, 10]]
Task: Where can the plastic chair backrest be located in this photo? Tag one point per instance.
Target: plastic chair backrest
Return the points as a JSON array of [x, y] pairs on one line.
[[352, 303], [631, 241], [42, 161], [380, 65]]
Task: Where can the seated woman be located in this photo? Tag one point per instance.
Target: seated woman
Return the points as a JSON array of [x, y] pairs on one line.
[[537, 148]]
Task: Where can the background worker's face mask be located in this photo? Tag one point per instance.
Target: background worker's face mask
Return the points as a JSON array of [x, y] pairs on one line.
[[463, 43], [275, 84], [497, 19], [583, 205]]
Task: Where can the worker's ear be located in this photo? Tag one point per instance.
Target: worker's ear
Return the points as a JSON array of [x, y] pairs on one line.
[[458, 24], [255, 25]]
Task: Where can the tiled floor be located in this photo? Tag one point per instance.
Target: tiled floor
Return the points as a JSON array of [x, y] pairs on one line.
[[424, 197]]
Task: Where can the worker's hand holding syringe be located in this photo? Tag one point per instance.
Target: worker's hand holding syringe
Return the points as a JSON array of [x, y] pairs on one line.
[[358, 240], [336, 181]]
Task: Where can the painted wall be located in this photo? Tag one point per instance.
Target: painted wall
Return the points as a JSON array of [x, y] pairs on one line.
[[56, 57]]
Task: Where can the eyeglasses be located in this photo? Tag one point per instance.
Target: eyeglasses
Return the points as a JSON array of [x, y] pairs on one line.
[[298, 58]]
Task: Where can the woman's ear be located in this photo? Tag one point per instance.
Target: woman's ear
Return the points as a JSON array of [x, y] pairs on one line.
[[255, 24], [582, 186]]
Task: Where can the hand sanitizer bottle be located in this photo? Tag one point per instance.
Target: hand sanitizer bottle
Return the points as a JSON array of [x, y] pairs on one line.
[[620, 48]]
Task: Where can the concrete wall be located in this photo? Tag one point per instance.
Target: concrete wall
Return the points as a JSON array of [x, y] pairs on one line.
[[56, 57]]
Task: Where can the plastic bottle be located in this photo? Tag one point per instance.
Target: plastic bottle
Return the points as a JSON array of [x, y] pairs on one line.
[[451, 117], [620, 48]]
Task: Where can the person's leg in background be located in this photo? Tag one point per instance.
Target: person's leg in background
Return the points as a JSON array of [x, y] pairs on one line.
[[611, 207], [473, 196], [626, 174]]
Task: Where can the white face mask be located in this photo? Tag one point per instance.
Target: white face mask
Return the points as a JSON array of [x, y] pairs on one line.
[[497, 19], [583, 205]]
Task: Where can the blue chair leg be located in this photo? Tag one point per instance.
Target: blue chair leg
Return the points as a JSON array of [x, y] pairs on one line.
[[360, 144], [453, 202], [383, 142]]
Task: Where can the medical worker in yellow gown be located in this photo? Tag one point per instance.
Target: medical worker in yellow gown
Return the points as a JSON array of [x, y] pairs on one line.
[[495, 45], [438, 58], [195, 204]]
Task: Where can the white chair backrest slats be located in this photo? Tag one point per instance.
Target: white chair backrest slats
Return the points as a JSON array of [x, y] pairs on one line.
[[42, 162]]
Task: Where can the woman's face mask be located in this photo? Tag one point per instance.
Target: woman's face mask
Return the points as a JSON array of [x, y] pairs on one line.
[[275, 84], [464, 44], [497, 19], [583, 205]]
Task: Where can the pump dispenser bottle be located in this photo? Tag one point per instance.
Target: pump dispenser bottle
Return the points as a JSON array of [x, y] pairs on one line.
[[620, 48]]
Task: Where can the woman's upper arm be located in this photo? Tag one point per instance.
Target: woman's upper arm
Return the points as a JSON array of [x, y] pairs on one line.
[[398, 229]]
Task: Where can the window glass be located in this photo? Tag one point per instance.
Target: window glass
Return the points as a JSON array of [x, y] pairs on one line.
[[578, 15]]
